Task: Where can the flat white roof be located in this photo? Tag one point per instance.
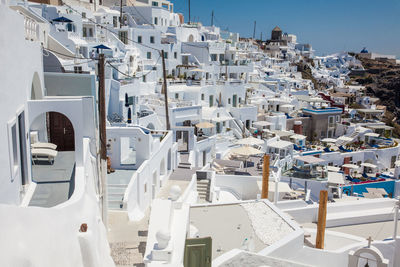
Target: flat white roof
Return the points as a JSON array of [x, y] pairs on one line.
[[280, 144]]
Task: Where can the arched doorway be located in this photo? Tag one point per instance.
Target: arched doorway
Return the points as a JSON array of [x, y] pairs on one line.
[[52, 147], [191, 38]]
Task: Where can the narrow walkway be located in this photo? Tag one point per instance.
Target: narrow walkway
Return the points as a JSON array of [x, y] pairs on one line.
[[128, 239]]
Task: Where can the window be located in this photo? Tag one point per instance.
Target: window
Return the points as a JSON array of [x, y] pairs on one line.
[[176, 95], [213, 57], [229, 100], [123, 36], [152, 39], [83, 15], [139, 39], [154, 3], [115, 21], [84, 33], [13, 143], [337, 118], [148, 55], [166, 55], [90, 32], [78, 69], [202, 96], [156, 21], [175, 55]]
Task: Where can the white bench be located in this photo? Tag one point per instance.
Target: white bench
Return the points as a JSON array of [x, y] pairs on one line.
[[50, 154]]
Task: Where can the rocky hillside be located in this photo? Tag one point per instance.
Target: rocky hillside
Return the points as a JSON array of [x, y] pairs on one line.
[[382, 80]]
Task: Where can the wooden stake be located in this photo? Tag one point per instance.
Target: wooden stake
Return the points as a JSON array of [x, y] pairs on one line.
[[102, 108], [323, 199], [103, 138], [265, 177], [164, 90]]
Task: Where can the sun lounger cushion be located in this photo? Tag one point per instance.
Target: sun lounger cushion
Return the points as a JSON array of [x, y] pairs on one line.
[[44, 145], [50, 154]]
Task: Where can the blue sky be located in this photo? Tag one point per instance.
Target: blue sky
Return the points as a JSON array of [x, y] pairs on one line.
[[330, 26]]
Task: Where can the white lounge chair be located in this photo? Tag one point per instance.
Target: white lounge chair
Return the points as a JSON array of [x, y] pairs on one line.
[[50, 154], [44, 145]]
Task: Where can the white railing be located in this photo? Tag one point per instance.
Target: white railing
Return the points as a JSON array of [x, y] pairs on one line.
[[31, 29]]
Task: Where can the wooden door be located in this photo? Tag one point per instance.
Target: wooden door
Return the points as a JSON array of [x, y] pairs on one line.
[[198, 252], [61, 132]]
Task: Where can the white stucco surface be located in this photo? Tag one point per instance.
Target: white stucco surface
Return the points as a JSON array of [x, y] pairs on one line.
[[268, 225]]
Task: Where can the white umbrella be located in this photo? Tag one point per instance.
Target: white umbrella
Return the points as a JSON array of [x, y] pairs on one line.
[[369, 165], [204, 125], [350, 166], [329, 140], [251, 141], [246, 151]]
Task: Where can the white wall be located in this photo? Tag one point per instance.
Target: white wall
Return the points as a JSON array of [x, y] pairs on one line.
[[16, 79]]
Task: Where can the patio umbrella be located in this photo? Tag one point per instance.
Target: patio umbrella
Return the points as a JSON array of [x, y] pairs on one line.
[[246, 151], [205, 125], [101, 46], [369, 165], [250, 141], [62, 19], [350, 166]]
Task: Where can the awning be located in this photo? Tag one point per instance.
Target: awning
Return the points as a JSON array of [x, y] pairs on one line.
[[205, 125], [310, 159], [329, 140], [246, 151], [280, 144], [369, 165], [335, 178], [333, 168], [372, 134], [345, 138], [350, 166]]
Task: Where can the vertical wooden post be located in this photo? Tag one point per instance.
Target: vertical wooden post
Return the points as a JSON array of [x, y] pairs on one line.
[[164, 90], [120, 15], [103, 138], [265, 177], [323, 199], [102, 109]]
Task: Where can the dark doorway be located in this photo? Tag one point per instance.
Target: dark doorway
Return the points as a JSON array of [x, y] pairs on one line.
[[182, 137], [61, 131]]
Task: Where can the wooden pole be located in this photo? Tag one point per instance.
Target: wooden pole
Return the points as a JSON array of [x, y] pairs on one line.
[[120, 15], [265, 177], [189, 11], [254, 30], [165, 90], [323, 199], [103, 138], [102, 108]]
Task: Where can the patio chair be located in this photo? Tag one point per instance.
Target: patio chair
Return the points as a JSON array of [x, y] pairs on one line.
[[296, 147], [326, 149], [44, 145], [38, 153], [344, 149]]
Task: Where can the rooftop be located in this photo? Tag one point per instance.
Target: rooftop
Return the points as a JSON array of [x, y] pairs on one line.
[[229, 225]]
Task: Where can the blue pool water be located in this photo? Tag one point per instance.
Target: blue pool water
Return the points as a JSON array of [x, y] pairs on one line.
[[362, 188]]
